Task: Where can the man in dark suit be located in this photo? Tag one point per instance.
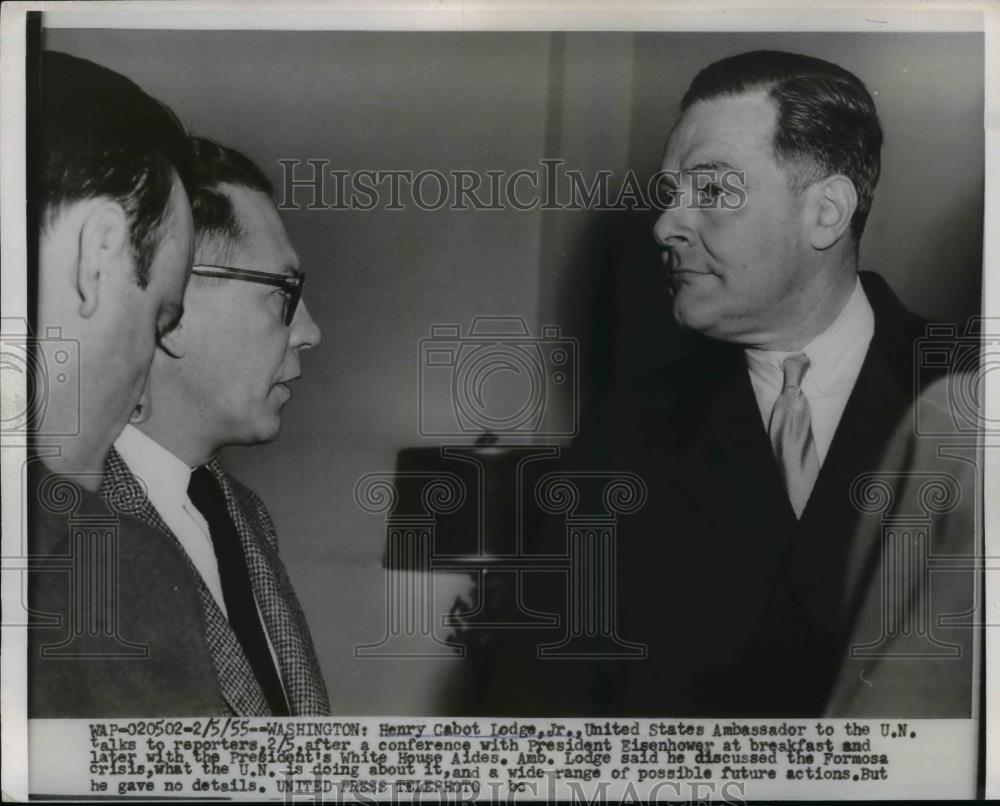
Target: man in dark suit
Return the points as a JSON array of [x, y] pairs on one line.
[[749, 575], [802, 483], [221, 377], [108, 191]]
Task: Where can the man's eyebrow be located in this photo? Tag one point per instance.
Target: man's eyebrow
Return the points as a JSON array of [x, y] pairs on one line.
[[711, 165]]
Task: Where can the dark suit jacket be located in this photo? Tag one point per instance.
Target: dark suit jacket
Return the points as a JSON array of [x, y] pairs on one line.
[[139, 649], [195, 664], [745, 610]]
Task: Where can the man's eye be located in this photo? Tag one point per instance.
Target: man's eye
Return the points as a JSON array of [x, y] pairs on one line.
[[709, 194], [667, 194], [282, 298]]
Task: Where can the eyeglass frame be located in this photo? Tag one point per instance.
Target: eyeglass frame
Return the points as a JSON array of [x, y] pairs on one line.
[[292, 283]]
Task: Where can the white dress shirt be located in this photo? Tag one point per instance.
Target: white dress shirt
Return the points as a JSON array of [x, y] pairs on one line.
[[835, 359], [166, 479]]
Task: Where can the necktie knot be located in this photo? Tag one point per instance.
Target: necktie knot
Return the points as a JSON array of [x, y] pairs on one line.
[[794, 368], [203, 490]]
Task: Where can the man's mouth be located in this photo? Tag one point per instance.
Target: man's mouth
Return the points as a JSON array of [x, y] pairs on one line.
[[672, 263], [680, 274], [286, 384]]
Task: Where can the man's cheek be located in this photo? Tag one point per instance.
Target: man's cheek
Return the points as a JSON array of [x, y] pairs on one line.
[[724, 238]]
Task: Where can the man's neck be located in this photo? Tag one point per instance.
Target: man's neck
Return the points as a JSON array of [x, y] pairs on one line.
[[84, 467], [821, 304], [191, 448], [79, 458]]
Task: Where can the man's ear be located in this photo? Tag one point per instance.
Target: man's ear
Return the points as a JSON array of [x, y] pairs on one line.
[[104, 248], [142, 408], [834, 201], [174, 343]]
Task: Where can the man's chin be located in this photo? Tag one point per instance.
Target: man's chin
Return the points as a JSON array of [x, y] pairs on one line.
[[692, 313], [270, 434], [260, 433]]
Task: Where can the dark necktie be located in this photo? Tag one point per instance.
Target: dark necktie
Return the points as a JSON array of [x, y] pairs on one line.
[[207, 496]]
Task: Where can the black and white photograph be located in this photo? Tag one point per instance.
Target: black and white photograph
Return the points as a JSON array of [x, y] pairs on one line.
[[442, 403]]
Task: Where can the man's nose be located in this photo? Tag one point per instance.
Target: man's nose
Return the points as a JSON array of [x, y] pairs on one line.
[[673, 227], [305, 331]]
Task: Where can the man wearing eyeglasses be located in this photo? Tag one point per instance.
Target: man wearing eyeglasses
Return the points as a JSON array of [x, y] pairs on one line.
[[222, 377]]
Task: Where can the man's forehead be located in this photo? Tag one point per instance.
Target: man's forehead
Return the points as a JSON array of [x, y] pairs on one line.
[[264, 239], [724, 131]]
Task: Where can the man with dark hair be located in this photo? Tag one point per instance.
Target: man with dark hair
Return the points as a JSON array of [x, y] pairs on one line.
[[826, 120], [114, 250], [108, 192], [221, 377], [755, 577]]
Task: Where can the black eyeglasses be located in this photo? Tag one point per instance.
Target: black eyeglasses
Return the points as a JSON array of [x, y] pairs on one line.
[[291, 284]]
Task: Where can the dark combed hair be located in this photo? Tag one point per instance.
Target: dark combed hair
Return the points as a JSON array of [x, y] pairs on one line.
[[827, 122], [212, 209], [100, 135]]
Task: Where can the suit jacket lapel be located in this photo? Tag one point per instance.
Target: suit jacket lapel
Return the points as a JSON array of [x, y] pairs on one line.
[[283, 617], [880, 399], [726, 468], [237, 682]]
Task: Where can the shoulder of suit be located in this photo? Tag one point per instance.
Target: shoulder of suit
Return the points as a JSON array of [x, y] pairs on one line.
[[904, 337]]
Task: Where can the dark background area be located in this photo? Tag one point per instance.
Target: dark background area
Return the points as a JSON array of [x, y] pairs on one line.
[[379, 279]]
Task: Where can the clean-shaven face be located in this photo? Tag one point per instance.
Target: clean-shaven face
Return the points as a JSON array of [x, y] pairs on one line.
[[240, 356], [734, 273]]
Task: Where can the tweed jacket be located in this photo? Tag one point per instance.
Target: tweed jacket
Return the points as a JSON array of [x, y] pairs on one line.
[[282, 615]]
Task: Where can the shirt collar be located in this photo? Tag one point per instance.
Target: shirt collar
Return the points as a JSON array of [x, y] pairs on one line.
[[153, 464], [832, 353]]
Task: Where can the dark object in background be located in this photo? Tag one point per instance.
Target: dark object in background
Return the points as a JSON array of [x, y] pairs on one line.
[[493, 534]]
